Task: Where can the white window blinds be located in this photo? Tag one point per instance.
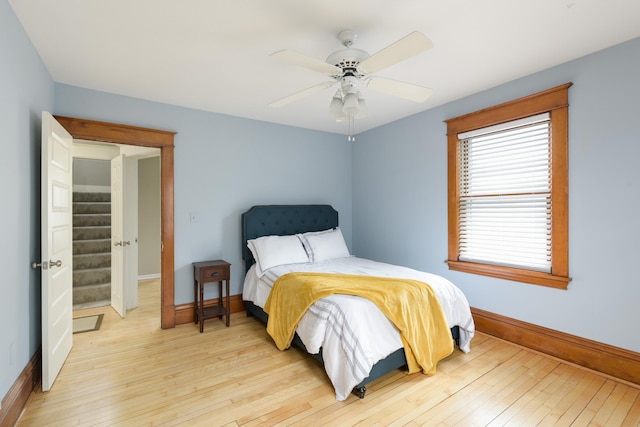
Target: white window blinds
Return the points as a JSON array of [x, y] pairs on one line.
[[505, 194]]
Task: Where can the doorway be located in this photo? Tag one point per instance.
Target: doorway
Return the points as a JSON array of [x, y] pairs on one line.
[[93, 220], [92, 130]]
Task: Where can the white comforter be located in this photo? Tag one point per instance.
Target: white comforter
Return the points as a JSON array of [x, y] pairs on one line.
[[352, 331]]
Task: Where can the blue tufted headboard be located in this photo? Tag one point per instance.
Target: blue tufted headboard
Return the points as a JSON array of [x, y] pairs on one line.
[[282, 220]]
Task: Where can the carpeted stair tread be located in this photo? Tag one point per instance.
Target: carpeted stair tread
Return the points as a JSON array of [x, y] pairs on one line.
[[92, 293], [91, 261], [91, 207], [91, 197], [92, 233], [92, 246], [92, 303], [93, 276], [85, 220]]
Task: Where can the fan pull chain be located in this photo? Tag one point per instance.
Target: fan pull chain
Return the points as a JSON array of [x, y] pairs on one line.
[[351, 137]]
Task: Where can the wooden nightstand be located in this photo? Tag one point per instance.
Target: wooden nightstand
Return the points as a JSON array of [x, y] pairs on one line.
[[206, 272]]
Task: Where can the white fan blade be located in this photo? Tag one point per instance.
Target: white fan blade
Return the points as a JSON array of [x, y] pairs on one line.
[[400, 89], [302, 94], [307, 62], [404, 48]]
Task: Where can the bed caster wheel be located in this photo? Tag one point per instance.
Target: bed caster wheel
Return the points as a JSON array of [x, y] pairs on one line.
[[360, 391]]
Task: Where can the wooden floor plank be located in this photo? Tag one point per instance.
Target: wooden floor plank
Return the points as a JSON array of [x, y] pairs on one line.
[[131, 372], [464, 392], [633, 416], [595, 403], [479, 399], [585, 386], [615, 408]]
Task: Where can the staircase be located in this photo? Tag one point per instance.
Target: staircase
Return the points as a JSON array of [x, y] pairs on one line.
[[91, 249]]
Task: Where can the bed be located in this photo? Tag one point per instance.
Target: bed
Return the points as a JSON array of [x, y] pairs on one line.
[[350, 346]]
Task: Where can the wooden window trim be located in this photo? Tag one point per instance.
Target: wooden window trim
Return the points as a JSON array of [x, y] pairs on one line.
[[555, 101]]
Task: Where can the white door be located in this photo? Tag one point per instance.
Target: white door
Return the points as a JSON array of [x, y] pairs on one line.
[[117, 235], [130, 224], [57, 252]]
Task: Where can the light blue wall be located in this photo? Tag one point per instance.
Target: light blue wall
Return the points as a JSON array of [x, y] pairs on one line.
[[25, 90], [389, 187], [223, 166], [400, 199]]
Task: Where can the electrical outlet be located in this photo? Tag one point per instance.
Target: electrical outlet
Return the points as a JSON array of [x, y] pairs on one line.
[[193, 218]]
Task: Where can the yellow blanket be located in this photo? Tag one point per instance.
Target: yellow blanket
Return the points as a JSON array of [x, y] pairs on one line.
[[410, 304]]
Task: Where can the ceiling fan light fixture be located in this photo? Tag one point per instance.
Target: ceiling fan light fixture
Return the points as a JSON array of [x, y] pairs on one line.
[[363, 108], [351, 105], [335, 107]]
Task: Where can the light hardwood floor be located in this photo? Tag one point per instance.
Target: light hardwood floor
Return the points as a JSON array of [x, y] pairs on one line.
[[133, 373]]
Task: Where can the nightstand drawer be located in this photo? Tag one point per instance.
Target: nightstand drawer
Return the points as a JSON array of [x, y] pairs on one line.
[[214, 273]]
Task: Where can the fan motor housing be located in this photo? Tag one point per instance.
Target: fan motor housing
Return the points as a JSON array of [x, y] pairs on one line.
[[348, 60]]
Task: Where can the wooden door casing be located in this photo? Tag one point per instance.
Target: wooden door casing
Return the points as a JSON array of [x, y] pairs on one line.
[[92, 130]]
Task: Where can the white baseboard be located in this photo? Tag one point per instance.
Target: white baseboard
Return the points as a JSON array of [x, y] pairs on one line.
[[149, 276]]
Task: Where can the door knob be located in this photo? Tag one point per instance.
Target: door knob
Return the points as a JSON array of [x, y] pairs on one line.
[[45, 265], [117, 244], [126, 243], [36, 265]]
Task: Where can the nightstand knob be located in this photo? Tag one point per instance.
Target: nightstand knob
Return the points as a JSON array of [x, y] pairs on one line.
[[215, 274]]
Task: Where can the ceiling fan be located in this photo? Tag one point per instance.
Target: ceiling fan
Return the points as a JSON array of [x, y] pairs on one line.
[[352, 68]]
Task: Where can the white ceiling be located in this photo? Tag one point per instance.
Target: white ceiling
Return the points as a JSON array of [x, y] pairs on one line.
[[213, 55]]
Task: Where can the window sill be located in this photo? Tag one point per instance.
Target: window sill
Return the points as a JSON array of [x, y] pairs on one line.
[[510, 273]]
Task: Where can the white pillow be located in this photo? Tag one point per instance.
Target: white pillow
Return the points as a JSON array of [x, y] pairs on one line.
[[303, 239], [325, 245], [271, 251]]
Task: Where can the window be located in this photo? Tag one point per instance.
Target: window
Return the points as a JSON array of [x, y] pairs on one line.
[[508, 190]]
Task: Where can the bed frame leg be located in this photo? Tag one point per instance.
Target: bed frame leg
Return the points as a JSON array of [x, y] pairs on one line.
[[360, 391]]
